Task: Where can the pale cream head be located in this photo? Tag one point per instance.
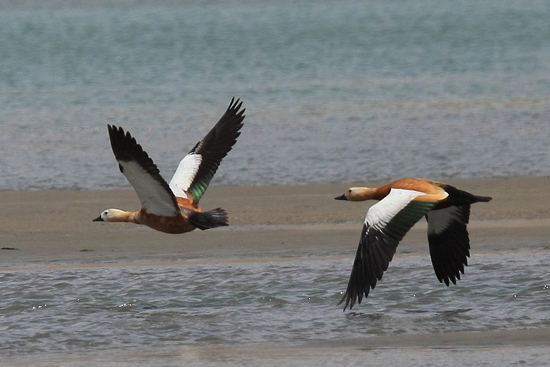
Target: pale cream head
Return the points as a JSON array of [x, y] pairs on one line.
[[112, 215]]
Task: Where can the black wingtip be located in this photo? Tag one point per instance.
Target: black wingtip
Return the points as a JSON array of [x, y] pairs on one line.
[[125, 147], [236, 104], [217, 143], [115, 130], [121, 141], [348, 300]]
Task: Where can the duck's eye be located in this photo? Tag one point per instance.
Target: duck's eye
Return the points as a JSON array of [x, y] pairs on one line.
[[349, 191]]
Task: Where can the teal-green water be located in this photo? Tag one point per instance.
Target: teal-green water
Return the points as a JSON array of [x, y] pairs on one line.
[[334, 91]]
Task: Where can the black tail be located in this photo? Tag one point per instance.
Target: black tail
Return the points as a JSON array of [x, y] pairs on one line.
[[460, 197], [210, 219], [483, 199]]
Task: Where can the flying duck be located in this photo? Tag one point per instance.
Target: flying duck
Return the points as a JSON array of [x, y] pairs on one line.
[[174, 207], [403, 203]]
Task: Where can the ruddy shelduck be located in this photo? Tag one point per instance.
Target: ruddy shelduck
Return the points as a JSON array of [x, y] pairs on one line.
[[403, 203], [174, 207]]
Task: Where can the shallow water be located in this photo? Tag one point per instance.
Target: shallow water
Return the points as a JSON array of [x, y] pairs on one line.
[[49, 312], [353, 92], [334, 93]]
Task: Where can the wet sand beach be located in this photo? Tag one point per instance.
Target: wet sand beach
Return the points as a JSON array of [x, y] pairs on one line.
[[333, 94], [54, 229]]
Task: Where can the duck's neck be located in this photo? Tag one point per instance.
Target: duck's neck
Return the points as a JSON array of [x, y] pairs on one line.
[[118, 215], [364, 193]]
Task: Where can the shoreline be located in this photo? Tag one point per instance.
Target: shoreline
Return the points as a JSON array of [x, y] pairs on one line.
[[55, 227], [52, 230], [494, 347]]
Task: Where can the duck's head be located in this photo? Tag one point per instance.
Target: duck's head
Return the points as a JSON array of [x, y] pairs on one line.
[[357, 194], [112, 215]]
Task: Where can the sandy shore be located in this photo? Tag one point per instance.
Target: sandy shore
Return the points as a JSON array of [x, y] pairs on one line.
[[55, 229], [493, 348]]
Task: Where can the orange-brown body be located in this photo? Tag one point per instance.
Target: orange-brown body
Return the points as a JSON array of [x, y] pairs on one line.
[[174, 225], [432, 189], [168, 224], [185, 203]]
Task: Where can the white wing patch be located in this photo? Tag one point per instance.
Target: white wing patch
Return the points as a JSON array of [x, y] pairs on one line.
[[185, 174], [153, 196], [382, 212]]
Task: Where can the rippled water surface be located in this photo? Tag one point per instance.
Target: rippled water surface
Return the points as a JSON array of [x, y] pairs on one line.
[[335, 91], [86, 310]]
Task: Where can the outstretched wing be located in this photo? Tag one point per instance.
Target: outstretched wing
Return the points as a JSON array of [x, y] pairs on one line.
[[153, 191], [197, 168], [449, 241], [385, 225]]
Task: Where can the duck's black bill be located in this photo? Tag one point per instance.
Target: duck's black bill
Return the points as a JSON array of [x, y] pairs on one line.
[[341, 197]]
